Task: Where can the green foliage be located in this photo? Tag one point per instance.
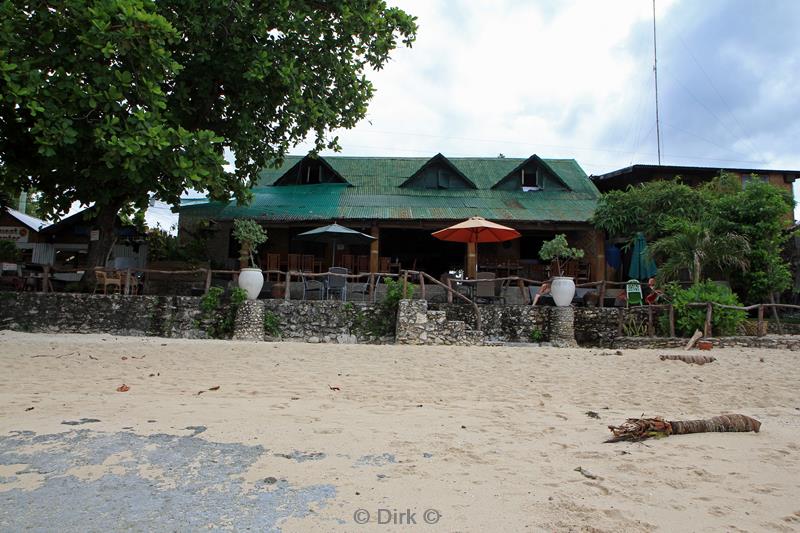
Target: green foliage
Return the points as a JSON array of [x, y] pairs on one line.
[[272, 324], [558, 248], [634, 326], [9, 253], [107, 101], [642, 208], [720, 228], [689, 319], [382, 321], [536, 335], [250, 235], [219, 316]]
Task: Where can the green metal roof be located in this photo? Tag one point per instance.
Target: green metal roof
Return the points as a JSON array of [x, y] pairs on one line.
[[373, 192]]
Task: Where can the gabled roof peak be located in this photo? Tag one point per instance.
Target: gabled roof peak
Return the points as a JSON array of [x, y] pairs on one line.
[[439, 159]]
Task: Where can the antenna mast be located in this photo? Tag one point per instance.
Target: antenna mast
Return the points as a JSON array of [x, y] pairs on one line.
[[655, 74]]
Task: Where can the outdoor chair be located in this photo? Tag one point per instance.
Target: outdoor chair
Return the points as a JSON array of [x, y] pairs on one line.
[[487, 290], [273, 263], [363, 287], [105, 280], [336, 284], [311, 286], [308, 263], [293, 262], [633, 293]]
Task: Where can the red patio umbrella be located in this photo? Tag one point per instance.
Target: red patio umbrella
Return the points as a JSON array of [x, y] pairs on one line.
[[473, 231]]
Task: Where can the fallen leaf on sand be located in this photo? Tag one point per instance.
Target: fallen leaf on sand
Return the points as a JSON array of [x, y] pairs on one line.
[[334, 388], [123, 388], [215, 387], [585, 473], [29, 409], [124, 358], [592, 414]]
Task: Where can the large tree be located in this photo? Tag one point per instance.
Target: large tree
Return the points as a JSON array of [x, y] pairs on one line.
[[107, 101]]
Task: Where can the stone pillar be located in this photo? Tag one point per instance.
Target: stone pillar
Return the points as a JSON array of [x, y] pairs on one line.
[[249, 325], [562, 327]]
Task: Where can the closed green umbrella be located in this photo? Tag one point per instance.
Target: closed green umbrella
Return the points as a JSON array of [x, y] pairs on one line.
[[642, 265]]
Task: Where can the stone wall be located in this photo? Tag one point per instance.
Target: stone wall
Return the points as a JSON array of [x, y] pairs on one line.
[[416, 324], [783, 342], [164, 316], [322, 321]]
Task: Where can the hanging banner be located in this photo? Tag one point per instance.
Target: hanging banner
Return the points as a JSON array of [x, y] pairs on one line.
[[14, 233]]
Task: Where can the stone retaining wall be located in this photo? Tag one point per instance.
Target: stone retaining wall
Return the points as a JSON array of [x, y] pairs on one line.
[[416, 324], [783, 342]]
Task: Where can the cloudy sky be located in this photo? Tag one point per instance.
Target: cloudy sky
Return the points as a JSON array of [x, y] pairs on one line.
[[574, 79]]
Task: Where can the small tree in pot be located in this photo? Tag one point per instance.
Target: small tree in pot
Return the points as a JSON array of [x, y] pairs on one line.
[[250, 235], [558, 250]]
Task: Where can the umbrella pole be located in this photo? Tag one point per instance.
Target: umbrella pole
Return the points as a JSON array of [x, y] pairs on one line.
[[472, 260], [333, 254]]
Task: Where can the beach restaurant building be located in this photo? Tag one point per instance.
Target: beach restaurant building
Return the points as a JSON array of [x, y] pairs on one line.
[[400, 201]]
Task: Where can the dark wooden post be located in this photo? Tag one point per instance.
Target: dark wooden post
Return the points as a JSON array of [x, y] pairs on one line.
[[522, 290], [422, 286], [602, 293], [650, 329], [45, 278], [208, 280], [287, 290], [709, 310], [405, 283], [671, 321], [449, 290], [760, 327]]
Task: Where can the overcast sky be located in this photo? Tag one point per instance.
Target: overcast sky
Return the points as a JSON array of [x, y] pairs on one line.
[[574, 79]]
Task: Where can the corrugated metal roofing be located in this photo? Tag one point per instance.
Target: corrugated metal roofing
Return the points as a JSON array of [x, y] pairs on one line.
[[373, 192]]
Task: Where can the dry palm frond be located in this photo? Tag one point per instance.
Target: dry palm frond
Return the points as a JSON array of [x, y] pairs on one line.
[[636, 429], [691, 359]]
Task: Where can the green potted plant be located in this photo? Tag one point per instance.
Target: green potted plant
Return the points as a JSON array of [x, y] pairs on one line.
[[250, 235], [561, 288]]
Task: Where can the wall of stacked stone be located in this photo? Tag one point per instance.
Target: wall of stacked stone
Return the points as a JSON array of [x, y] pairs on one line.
[[321, 321], [782, 342], [416, 324], [164, 316]]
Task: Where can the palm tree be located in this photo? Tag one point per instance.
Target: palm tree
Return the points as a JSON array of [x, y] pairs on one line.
[[636, 429], [696, 246]]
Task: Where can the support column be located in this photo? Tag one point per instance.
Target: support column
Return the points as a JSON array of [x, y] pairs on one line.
[[599, 263], [472, 260], [374, 250]]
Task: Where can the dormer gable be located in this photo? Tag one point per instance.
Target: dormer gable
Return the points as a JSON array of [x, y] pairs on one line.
[[310, 171], [438, 173], [533, 174]]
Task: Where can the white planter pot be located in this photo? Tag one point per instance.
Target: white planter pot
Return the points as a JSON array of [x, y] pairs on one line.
[[562, 290], [251, 280]]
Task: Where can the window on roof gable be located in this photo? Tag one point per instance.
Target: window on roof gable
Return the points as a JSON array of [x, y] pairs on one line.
[[438, 177], [309, 172]]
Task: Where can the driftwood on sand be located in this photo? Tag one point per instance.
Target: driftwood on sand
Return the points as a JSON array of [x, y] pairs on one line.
[[636, 429], [691, 359]]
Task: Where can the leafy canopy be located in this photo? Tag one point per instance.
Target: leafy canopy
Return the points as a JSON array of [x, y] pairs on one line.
[[103, 101]]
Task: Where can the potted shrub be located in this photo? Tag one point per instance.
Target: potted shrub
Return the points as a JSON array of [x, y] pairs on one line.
[[561, 288], [250, 235]]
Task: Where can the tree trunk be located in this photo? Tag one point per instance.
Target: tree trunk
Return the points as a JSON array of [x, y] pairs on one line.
[[697, 269], [636, 429], [104, 222]]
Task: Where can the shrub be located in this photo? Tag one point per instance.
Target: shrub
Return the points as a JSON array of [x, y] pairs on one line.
[[219, 318], [688, 319], [272, 324], [536, 335]]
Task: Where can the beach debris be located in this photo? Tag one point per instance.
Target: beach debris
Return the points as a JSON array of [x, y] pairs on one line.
[[636, 429], [592, 414], [196, 429], [618, 352], [334, 388], [301, 457], [29, 409], [696, 337], [704, 345], [585, 473], [691, 359], [151, 376], [123, 388], [215, 387], [79, 422], [270, 480], [124, 358]]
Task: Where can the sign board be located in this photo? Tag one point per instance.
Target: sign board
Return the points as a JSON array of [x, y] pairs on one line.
[[14, 233], [94, 235]]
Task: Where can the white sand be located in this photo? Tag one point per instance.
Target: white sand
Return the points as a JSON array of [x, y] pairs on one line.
[[510, 467]]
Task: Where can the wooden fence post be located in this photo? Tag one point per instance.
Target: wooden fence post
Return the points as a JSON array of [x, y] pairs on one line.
[[405, 283], [127, 281], [602, 297], [671, 320], [45, 278], [650, 329], [450, 291], [422, 286], [525, 293], [760, 327], [208, 281], [709, 310], [288, 289]]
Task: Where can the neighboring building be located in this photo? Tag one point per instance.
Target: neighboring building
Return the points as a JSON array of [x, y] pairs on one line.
[[22, 229], [693, 176], [400, 201]]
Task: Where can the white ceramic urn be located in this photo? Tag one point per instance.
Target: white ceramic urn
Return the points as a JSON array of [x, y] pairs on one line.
[[251, 280], [563, 290]]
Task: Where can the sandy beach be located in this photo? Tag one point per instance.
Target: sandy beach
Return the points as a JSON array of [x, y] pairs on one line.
[[474, 439]]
